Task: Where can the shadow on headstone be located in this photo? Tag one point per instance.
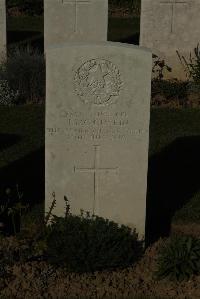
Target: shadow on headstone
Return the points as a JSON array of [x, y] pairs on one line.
[[29, 174], [173, 179]]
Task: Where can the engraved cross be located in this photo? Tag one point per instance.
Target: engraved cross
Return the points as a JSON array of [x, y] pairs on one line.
[[76, 3], [173, 4], [96, 171]]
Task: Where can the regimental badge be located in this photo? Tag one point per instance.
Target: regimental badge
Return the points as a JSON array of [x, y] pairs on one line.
[[98, 82]]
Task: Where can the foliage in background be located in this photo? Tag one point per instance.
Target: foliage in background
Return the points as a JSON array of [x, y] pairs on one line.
[[11, 208], [159, 66], [179, 258], [192, 65], [169, 89], [7, 96], [132, 5], [24, 70], [28, 7]]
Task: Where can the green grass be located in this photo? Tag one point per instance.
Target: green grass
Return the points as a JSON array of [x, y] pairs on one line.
[[123, 29], [167, 127], [169, 124], [119, 29], [27, 123], [29, 31], [25, 23], [25, 30], [190, 212]]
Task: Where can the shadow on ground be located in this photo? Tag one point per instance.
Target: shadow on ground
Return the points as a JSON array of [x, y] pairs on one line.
[[26, 38], [173, 178], [29, 174], [132, 39], [7, 140], [18, 36]]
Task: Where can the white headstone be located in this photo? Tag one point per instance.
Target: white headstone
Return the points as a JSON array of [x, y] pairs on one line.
[[75, 20], [97, 130], [2, 28], [168, 26]]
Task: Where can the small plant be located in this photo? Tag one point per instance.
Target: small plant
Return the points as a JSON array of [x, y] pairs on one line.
[[12, 207], [78, 243], [174, 91], [159, 66], [29, 245], [192, 65], [16, 210], [90, 243], [35, 231], [179, 258]]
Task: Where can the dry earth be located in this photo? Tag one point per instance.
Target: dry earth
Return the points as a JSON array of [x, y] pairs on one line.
[[38, 280]]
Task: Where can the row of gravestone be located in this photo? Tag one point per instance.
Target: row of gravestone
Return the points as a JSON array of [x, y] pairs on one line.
[[97, 115], [166, 26]]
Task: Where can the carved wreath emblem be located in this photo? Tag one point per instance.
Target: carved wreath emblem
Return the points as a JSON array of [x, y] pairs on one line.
[[98, 82]]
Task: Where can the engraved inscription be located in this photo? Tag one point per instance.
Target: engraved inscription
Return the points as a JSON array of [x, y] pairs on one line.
[[108, 126], [76, 4], [96, 170], [173, 4], [98, 82]]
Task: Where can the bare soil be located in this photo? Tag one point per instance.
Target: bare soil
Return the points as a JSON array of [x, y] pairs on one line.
[[40, 280]]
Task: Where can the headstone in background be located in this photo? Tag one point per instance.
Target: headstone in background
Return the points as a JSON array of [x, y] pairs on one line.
[[2, 28], [97, 130], [75, 20], [170, 25]]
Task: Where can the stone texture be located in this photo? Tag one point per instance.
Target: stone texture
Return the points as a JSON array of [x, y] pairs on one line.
[[2, 28], [97, 130], [168, 26], [75, 20]]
